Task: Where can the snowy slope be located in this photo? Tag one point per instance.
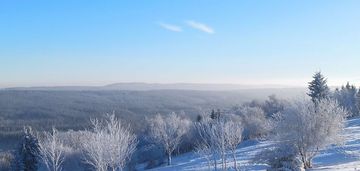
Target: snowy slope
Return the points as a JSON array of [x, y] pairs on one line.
[[345, 157]]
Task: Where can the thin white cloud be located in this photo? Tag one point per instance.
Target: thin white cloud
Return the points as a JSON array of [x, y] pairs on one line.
[[200, 26], [171, 27]]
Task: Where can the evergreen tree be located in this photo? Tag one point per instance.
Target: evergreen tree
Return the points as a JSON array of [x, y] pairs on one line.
[[199, 118], [213, 114], [26, 155], [346, 97], [218, 113], [358, 101], [318, 88]]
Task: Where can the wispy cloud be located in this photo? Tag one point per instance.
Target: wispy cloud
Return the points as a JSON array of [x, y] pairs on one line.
[[171, 27], [200, 26]]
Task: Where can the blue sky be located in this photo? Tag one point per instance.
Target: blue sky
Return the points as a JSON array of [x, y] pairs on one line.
[[87, 42]]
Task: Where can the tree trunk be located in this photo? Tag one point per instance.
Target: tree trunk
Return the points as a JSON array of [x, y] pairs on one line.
[[306, 161], [209, 165], [222, 162], [234, 157], [307, 164], [169, 159], [225, 161], [215, 164]]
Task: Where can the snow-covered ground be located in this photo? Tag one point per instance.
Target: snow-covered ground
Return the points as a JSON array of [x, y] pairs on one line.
[[345, 157]]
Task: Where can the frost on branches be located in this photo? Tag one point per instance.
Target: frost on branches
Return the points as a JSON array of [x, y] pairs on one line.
[[108, 145], [217, 137], [308, 128], [168, 131], [51, 150]]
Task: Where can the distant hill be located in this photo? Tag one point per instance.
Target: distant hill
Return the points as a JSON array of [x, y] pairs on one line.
[[188, 86], [158, 86]]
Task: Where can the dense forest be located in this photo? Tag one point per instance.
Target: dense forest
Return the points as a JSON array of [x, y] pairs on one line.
[[116, 130], [72, 108]]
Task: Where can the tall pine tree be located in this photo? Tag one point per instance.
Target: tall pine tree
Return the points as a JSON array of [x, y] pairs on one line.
[[26, 155], [318, 88]]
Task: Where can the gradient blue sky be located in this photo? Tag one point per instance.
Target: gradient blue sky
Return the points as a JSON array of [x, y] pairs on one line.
[[86, 42]]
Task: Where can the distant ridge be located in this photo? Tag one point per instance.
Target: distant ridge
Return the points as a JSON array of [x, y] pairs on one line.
[[189, 86], [137, 86]]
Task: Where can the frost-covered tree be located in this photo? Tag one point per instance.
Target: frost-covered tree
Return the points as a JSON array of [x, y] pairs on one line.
[[212, 142], [233, 137], [94, 149], [273, 105], [108, 145], [26, 154], [122, 143], [168, 131], [254, 122], [217, 137], [52, 150], [204, 150], [318, 88], [309, 128], [346, 96]]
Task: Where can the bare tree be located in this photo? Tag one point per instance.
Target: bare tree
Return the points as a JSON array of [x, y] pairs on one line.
[[51, 150], [309, 128], [109, 145], [168, 131]]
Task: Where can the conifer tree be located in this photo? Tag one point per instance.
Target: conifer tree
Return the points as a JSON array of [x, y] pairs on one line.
[[318, 88], [213, 114], [346, 96], [26, 155], [358, 101]]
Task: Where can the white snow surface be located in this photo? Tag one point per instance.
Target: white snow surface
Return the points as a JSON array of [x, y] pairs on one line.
[[344, 157]]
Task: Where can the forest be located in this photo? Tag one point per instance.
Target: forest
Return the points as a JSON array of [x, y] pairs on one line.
[[198, 122]]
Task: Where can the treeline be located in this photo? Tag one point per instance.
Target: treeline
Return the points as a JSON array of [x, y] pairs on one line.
[[300, 128]]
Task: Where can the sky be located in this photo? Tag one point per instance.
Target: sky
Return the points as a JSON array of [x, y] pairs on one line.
[[253, 42]]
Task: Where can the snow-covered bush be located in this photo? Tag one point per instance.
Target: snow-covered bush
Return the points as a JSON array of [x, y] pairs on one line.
[[168, 131], [309, 128], [280, 158], [6, 159], [108, 145]]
